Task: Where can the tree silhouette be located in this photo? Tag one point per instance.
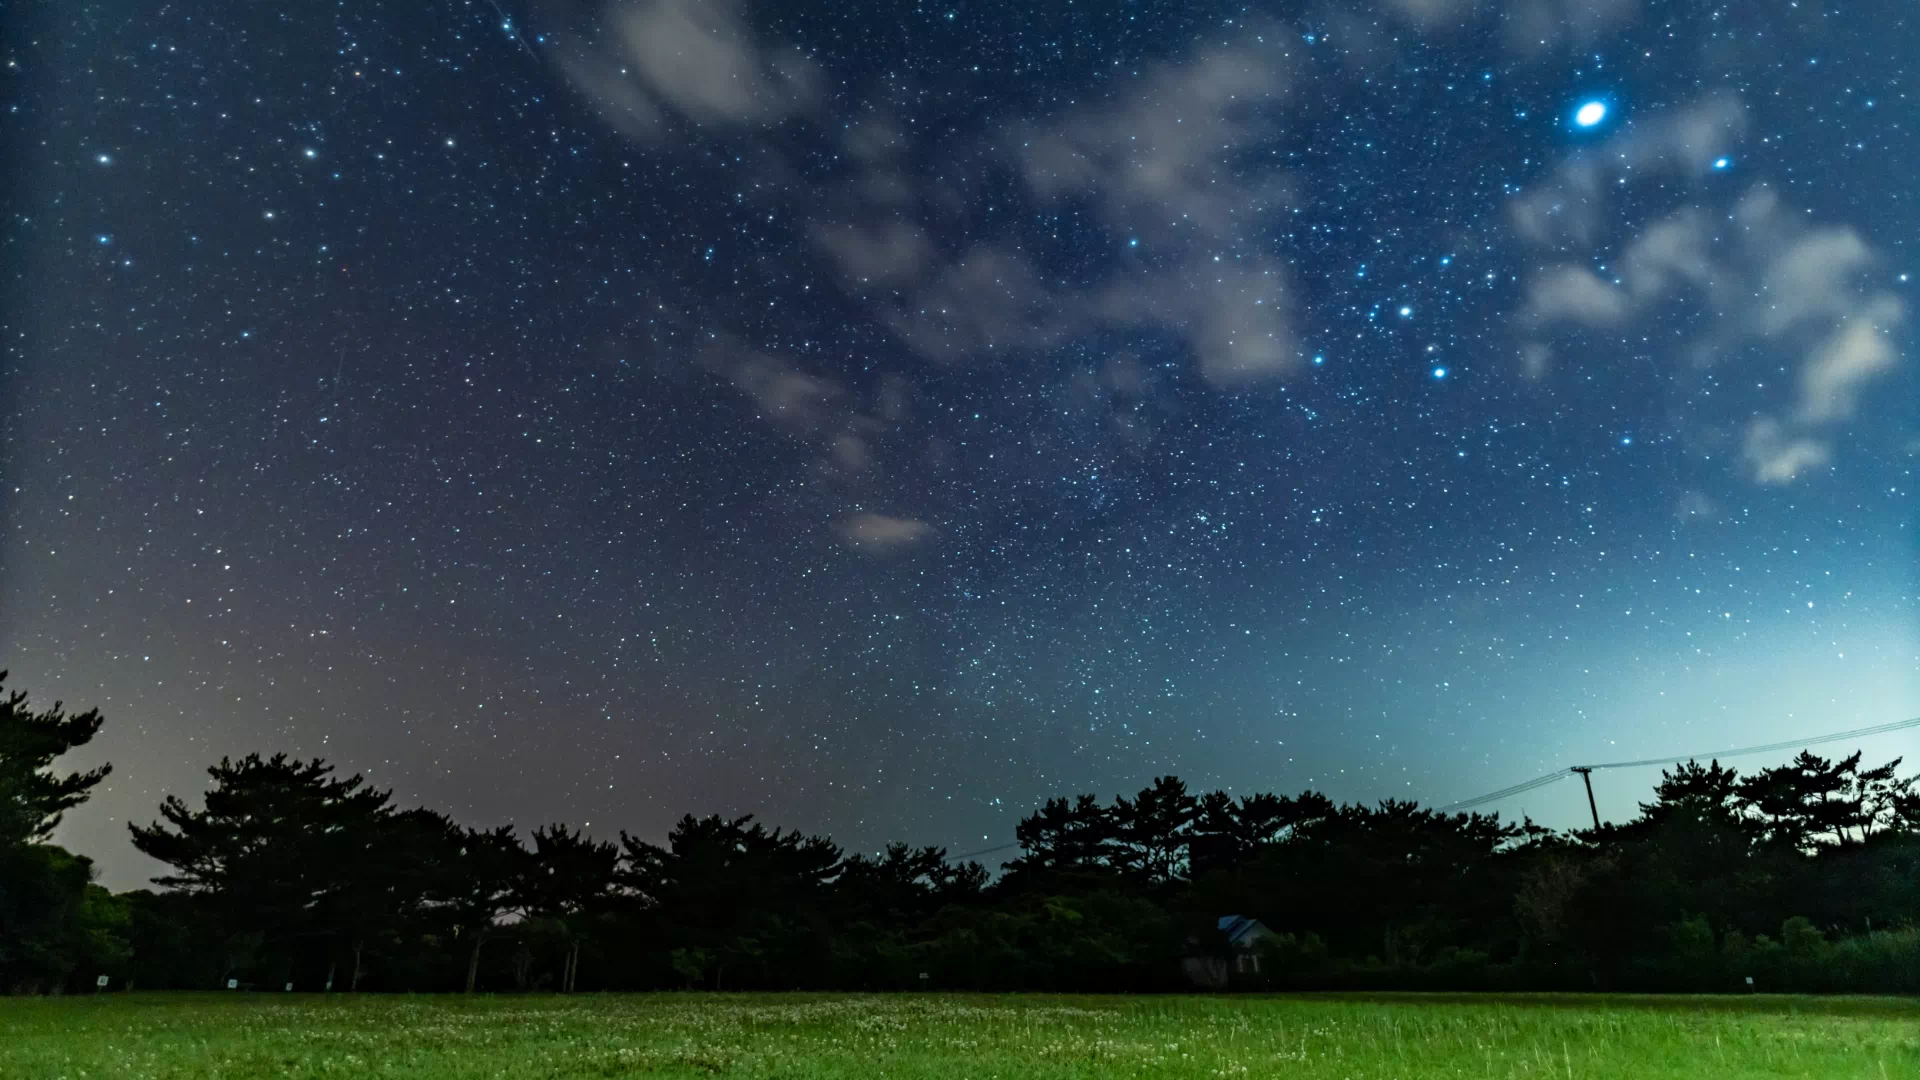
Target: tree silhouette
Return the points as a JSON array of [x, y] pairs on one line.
[[734, 892], [1810, 802], [32, 796], [483, 881], [1065, 839], [390, 866], [1151, 831], [567, 883], [1805, 876], [53, 919], [281, 847], [1227, 834]]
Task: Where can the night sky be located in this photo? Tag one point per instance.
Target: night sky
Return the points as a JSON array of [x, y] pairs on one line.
[[880, 417]]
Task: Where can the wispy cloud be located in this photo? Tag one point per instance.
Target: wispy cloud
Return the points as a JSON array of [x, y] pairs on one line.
[[1576, 294], [1160, 165], [1757, 270], [880, 533], [794, 401], [1671, 254], [645, 62], [1574, 207], [985, 302], [1813, 295], [1813, 277], [1859, 351], [1158, 158], [1157, 164], [1773, 455]]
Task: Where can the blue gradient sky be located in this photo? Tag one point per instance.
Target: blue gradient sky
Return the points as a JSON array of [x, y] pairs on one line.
[[882, 419]]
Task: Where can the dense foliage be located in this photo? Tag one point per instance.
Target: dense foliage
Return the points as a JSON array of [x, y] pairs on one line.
[[55, 924], [1800, 877]]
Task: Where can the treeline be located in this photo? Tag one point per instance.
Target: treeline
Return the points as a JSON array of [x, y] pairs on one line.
[[1803, 877]]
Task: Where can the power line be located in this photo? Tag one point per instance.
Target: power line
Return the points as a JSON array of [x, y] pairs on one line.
[[982, 851], [1505, 792], [1738, 751], [1877, 729], [1561, 774]]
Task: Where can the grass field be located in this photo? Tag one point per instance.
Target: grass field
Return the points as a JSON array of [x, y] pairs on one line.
[[911, 1036]]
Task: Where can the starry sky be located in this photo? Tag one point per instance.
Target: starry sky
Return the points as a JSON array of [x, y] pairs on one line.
[[880, 417]]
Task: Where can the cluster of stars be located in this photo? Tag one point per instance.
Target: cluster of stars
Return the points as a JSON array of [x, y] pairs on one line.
[[822, 441]]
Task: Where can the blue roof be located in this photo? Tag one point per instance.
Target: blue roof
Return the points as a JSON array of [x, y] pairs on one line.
[[1238, 926]]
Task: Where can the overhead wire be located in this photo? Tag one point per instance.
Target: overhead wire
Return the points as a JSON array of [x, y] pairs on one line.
[[982, 851], [1674, 759], [1788, 744], [1561, 774], [1505, 792]]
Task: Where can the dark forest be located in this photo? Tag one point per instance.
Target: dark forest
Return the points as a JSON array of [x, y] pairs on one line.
[[1802, 877]]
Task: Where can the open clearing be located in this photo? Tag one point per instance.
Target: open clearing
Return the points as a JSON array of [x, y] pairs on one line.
[[1389, 1037]]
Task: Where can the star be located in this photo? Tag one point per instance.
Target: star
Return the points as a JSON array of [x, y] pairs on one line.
[[921, 402]]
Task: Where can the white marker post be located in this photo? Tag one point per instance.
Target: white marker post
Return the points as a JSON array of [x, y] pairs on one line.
[[101, 982]]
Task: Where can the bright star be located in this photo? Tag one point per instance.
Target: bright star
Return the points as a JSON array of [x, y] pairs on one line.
[[311, 152], [1439, 372], [1590, 113], [1721, 163], [1406, 312], [104, 159]]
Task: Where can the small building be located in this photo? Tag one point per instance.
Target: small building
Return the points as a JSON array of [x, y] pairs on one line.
[[1211, 969]]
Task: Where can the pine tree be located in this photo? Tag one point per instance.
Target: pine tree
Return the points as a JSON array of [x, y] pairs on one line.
[[32, 795]]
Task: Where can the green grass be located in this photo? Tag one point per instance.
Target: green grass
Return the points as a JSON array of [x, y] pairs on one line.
[[1378, 1037]]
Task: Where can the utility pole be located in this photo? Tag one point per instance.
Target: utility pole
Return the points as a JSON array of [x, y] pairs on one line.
[[1586, 774]]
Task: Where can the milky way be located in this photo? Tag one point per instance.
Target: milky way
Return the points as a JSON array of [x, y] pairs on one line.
[[880, 418]]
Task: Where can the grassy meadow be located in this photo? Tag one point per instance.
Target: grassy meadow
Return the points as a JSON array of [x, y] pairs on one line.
[[1384, 1037]]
